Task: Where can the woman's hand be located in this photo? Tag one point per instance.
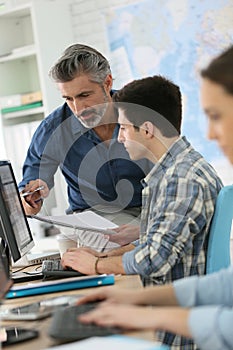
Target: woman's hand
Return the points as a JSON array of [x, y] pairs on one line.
[[113, 295]]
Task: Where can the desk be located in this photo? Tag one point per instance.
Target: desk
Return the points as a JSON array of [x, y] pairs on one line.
[[42, 325]]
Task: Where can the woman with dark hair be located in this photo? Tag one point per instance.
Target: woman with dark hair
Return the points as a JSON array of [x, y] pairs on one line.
[[197, 307]]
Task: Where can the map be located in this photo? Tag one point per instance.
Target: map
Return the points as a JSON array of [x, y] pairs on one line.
[[175, 39]]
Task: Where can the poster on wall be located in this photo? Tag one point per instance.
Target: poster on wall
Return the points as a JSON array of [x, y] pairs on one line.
[[175, 39]]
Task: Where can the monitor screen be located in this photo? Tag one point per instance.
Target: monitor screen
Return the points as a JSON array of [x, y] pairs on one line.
[[14, 227]]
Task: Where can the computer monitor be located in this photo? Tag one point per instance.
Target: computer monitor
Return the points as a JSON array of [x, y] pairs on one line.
[[14, 227], [5, 281]]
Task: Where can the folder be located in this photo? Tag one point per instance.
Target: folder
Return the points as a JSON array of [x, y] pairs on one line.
[[86, 220], [59, 285]]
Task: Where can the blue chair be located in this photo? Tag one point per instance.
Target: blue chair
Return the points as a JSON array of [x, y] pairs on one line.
[[218, 248]]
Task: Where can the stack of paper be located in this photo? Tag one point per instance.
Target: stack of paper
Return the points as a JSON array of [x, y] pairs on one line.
[[89, 227], [86, 220]]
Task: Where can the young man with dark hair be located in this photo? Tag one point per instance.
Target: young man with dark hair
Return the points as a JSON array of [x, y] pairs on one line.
[[178, 196], [200, 308]]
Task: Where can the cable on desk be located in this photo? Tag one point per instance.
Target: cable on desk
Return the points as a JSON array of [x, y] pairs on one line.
[[27, 272]]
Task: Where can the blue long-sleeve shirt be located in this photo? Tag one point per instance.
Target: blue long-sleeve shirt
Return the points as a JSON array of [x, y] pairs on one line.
[[211, 316], [95, 174]]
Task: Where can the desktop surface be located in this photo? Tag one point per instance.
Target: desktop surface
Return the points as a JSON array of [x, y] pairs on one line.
[[44, 341]]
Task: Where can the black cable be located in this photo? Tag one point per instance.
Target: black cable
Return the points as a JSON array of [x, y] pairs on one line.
[[28, 272]]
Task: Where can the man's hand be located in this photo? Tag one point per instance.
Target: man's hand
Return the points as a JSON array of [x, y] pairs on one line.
[[32, 203], [80, 259], [125, 234], [85, 260]]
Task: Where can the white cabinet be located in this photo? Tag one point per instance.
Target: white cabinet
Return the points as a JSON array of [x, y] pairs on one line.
[[32, 37]]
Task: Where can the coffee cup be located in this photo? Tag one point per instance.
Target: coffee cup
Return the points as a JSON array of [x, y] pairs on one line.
[[66, 241]]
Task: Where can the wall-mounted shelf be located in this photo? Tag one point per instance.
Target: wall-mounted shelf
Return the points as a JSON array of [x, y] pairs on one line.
[[19, 11], [22, 53]]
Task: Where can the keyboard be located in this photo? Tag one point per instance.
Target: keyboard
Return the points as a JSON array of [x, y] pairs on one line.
[[54, 268], [66, 327]]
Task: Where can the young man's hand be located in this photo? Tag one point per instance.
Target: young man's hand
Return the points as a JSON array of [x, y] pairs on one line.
[[80, 259], [124, 235], [89, 262]]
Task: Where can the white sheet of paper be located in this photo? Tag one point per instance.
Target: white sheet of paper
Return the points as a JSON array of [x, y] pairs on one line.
[[112, 342], [88, 226], [84, 220]]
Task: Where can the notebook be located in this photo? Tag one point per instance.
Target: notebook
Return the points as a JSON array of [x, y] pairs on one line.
[[59, 285]]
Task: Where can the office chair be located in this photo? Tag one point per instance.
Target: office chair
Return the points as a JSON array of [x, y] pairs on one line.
[[218, 247]]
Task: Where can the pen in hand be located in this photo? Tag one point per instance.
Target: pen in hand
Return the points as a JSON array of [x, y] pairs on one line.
[[24, 194]]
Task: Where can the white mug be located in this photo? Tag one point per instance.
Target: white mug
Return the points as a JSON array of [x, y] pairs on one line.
[[66, 241]]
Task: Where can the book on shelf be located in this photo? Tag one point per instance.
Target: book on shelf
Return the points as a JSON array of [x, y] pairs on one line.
[[10, 101], [31, 97], [21, 107], [17, 100]]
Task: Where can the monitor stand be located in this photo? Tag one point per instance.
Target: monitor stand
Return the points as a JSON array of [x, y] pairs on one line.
[[5, 253]]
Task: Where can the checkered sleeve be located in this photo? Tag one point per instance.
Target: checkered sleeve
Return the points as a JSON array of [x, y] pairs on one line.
[[175, 217]]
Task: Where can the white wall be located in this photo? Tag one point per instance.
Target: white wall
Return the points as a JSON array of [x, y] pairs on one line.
[[88, 21], [2, 145], [89, 28]]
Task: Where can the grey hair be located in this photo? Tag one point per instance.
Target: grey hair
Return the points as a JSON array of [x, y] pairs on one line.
[[79, 59]]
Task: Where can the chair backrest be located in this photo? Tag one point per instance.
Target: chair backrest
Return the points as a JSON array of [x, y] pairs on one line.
[[218, 248]]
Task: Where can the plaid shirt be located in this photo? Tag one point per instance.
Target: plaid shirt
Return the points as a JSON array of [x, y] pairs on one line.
[[178, 202]]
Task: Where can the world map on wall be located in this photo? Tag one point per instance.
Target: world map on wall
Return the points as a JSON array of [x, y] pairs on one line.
[[175, 39]]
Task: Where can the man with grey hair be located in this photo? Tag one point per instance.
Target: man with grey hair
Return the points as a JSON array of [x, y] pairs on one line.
[[80, 137]]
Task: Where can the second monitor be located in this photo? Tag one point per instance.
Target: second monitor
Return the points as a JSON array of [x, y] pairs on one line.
[[14, 227]]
